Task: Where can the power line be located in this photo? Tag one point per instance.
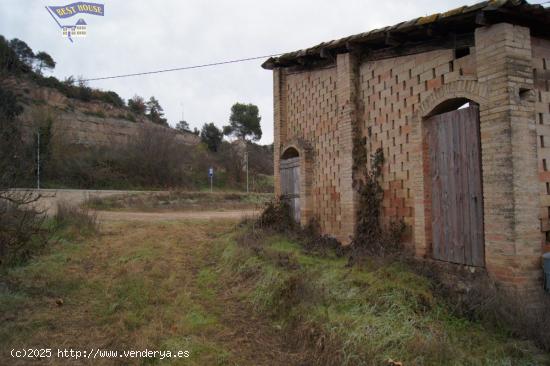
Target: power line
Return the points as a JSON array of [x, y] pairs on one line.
[[183, 68]]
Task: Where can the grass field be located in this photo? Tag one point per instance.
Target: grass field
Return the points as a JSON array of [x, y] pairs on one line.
[[197, 286]]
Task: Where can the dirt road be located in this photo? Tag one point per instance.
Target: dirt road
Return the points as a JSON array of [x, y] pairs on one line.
[[110, 216], [50, 198]]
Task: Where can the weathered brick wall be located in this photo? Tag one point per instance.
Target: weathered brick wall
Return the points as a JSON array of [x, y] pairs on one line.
[[511, 191], [541, 72], [392, 91], [310, 114], [388, 99], [389, 92]]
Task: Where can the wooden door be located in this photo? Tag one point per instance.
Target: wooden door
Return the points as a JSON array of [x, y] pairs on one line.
[[290, 185], [457, 199]]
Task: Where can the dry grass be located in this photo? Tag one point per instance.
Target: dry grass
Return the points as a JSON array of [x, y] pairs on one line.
[[363, 314], [180, 201], [135, 286], [80, 220], [188, 285]]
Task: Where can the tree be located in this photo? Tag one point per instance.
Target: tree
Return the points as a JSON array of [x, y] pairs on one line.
[[112, 98], [44, 61], [183, 126], [212, 136], [11, 154], [20, 222], [155, 111], [23, 51], [244, 122], [137, 105], [84, 92], [69, 81], [9, 60]]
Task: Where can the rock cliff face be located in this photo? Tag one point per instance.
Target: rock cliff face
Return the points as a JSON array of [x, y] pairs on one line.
[[83, 123]]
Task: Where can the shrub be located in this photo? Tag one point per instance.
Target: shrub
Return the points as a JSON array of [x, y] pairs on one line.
[[111, 97], [276, 215], [21, 227], [99, 114], [76, 218], [478, 298]]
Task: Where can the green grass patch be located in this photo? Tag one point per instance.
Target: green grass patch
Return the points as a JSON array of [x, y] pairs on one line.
[[364, 314]]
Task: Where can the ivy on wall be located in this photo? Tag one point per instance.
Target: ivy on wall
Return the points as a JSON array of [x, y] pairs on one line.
[[370, 236]]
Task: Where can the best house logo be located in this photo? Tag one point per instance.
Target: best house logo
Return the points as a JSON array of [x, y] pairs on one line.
[[80, 28]]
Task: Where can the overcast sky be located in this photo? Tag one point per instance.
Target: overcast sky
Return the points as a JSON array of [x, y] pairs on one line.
[[144, 35]]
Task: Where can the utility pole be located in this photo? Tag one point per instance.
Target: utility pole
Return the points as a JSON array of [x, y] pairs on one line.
[[246, 157], [38, 161], [211, 176]]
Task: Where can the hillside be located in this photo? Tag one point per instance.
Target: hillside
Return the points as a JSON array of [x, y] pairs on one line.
[[73, 136], [92, 123]]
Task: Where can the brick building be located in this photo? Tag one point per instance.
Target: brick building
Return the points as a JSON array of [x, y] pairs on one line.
[[473, 184]]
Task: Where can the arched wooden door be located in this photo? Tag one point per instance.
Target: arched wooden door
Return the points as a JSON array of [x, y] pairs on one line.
[[456, 189], [290, 185]]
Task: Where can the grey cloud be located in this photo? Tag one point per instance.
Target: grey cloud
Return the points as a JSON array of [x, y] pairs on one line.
[[143, 35]]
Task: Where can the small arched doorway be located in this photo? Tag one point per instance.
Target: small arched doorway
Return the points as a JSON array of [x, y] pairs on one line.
[[453, 162], [290, 181]]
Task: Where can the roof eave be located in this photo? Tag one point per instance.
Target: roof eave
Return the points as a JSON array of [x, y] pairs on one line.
[[465, 18]]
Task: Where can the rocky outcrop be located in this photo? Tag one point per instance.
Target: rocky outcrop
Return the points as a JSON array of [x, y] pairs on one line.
[[92, 123]]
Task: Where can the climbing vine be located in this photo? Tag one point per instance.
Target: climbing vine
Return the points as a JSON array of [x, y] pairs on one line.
[[370, 236]]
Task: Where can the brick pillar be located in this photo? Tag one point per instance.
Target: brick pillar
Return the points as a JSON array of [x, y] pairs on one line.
[[509, 165], [347, 73], [279, 124]]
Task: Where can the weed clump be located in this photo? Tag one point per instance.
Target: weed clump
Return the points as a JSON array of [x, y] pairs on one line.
[[378, 309], [21, 230], [478, 298], [276, 216], [80, 220]]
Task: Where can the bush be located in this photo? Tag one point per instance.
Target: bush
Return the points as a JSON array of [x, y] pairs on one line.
[[479, 299], [276, 216], [82, 220], [99, 114], [21, 228], [111, 97], [262, 183]]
